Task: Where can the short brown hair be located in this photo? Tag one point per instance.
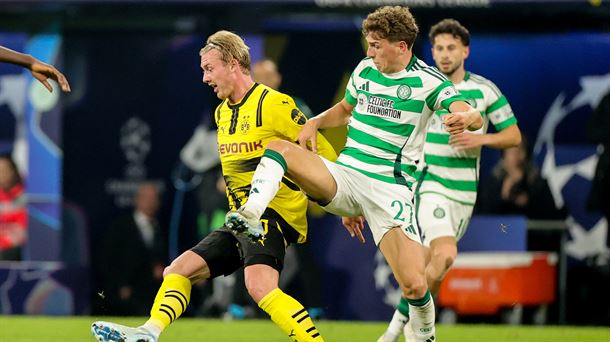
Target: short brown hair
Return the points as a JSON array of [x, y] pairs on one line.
[[230, 46], [394, 23], [452, 27]]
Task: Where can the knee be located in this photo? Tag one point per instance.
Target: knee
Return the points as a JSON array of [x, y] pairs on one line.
[[258, 289], [282, 147], [173, 268], [415, 288], [444, 258], [195, 273]]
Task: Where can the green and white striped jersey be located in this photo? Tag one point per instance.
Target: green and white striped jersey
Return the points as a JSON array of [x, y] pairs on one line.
[[454, 173], [390, 117]]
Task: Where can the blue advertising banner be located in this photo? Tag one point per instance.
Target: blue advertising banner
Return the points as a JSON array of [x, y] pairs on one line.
[[31, 133]]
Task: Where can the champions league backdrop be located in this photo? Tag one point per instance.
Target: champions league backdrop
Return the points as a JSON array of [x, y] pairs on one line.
[[138, 98]]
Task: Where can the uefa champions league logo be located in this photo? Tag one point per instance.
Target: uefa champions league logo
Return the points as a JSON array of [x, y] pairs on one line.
[[135, 141], [583, 242]]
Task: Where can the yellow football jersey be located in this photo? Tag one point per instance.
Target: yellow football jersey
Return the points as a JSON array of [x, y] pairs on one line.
[[244, 129]]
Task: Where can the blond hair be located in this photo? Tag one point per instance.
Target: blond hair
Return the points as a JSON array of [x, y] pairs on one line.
[[394, 23], [230, 46]]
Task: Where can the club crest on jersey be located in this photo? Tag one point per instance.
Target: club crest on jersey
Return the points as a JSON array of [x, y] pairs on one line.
[[298, 117], [472, 102], [245, 125], [439, 212], [403, 92]]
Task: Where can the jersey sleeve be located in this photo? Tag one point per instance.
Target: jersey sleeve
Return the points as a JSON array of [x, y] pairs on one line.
[[286, 118], [443, 95], [351, 94], [288, 121], [498, 110]]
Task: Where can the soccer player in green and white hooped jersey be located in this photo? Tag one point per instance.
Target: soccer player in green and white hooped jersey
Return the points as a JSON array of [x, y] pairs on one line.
[[447, 191], [388, 103]]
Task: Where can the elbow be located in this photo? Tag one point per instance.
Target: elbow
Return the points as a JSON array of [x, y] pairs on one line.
[[516, 137], [516, 140]]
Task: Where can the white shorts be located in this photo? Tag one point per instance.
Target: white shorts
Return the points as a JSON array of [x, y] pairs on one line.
[[383, 205], [439, 216]]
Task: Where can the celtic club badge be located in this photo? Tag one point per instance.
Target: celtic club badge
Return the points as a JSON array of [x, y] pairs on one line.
[[403, 92], [439, 212]]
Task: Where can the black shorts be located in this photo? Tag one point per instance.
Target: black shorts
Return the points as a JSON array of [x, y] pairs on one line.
[[225, 253]]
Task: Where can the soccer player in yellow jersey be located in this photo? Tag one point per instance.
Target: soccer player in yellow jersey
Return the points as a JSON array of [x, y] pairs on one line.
[[249, 116]]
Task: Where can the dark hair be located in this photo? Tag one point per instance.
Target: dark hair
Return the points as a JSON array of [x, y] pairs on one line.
[[394, 23], [451, 26]]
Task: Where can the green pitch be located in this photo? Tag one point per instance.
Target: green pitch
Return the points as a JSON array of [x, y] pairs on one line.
[[21, 328]]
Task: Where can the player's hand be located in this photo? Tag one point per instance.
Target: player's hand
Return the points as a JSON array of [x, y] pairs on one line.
[[456, 123], [42, 72], [354, 226], [308, 137], [466, 140]]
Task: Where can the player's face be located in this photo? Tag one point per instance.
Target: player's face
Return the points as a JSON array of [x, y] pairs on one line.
[[385, 54], [449, 53], [217, 74]]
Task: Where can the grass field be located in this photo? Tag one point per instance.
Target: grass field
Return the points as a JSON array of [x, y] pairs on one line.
[[18, 329]]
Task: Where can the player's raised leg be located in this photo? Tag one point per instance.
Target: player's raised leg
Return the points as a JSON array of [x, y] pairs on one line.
[[281, 158]]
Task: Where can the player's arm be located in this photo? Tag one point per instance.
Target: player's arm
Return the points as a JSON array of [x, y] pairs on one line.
[[462, 117], [41, 71], [336, 116], [288, 121], [506, 138]]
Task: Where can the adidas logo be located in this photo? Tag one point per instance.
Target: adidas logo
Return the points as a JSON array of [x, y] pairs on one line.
[[254, 191], [365, 86]]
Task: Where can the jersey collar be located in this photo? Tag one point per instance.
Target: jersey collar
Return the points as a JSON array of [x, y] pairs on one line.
[[244, 99]]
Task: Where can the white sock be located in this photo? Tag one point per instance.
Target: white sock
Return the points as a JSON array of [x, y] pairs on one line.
[[422, 317], [153, 328], [397, 324], [265, 184]]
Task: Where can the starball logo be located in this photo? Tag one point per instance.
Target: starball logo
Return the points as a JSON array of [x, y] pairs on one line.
[[240, 147]]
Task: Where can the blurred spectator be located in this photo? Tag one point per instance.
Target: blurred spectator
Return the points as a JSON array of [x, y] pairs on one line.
[[13, 214], [516, 187], [265, 72], [134, 253]]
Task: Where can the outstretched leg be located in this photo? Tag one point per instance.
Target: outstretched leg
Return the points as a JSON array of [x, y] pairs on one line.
[[171, 302]]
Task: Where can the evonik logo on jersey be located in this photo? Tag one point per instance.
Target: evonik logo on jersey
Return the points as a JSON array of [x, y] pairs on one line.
[[241, 147]]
